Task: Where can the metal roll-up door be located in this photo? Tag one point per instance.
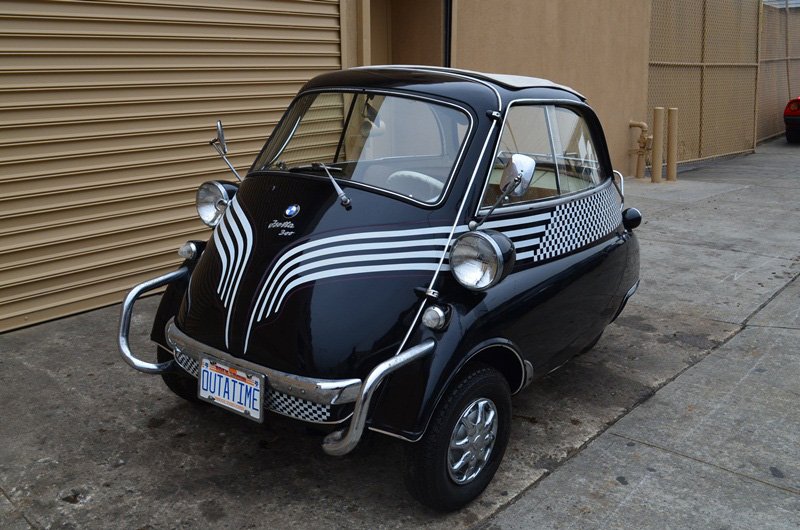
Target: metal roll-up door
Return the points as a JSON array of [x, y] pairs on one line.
[[106, 109]]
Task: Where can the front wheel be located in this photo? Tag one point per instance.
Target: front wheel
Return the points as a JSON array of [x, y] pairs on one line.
[[458, 456]]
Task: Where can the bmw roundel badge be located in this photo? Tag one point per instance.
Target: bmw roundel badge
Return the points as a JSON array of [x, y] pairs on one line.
[[291, 211]]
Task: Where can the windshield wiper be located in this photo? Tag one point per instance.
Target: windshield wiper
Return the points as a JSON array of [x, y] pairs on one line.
[[343, 199], [316, 166]]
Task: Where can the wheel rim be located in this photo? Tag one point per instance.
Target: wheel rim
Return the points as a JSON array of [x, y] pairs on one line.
[[472, 441]]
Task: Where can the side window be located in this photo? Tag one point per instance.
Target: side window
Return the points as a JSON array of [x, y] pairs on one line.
[[558, 139], [578, 167], [525, 131]]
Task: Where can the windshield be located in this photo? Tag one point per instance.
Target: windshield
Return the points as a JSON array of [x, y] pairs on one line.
[[403, 145]]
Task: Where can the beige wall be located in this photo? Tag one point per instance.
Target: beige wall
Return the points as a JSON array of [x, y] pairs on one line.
[[380, 32], [405, 31], [417, 32], [600, 48]]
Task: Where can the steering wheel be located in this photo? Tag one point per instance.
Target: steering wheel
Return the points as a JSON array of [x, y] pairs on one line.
[[416, 185]]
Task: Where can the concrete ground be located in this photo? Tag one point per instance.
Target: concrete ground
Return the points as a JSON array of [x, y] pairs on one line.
[[684, 415]]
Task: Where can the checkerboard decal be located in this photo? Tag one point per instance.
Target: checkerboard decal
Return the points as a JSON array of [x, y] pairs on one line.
[[298, 408], [577, 223], [187, 363]]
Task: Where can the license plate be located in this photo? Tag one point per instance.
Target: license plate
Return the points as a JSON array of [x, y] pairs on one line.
[[231, 388]]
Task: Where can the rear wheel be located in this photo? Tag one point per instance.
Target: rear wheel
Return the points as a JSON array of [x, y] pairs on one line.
[[793, 137], [460, 452], [181, 383]]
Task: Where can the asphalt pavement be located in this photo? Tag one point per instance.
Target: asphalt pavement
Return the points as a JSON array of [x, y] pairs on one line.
[[719, 445], [683, 416]]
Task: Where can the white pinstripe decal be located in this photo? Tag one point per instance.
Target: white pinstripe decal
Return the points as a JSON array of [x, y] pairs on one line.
[[409, 257], [275, 288], [234, 246]]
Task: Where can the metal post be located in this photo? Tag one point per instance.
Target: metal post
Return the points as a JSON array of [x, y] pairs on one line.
[[640, 163], [672, 144], [642, 141], [658, 145]]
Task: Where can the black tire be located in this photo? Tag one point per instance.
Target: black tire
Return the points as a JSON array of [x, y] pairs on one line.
[[793, 137], [179, 382], [428, 474]]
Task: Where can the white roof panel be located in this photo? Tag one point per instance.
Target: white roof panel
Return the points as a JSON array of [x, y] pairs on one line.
[[507, 80]]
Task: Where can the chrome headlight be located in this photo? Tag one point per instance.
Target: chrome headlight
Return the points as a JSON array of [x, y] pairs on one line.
[[212, 200], [479, 260]]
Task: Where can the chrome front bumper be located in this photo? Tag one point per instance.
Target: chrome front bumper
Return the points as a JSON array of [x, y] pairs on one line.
[[314, 392], [324, 392], [320, 391]]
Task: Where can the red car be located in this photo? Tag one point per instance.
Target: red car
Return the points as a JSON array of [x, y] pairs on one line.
[[791, 118]]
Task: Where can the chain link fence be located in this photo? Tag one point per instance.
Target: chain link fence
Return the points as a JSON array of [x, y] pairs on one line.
[[779, 74], [728, 66]]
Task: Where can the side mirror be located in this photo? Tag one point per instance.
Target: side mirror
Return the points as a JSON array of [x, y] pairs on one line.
[[221, 138], [221, 148], [522, 167]]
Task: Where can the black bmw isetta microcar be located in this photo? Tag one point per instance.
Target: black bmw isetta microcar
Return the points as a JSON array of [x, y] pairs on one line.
[[411, 247]]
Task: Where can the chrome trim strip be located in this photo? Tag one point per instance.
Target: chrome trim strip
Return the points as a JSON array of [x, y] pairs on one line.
[[323, 391], [341, 442], [125, 322], [393, 435], [546, 203], [551, 136], [620, 187], [509, 348], [628, 296], [446, 251], [632, 290]]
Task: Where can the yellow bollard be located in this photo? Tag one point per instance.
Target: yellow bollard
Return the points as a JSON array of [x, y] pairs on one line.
[[672, 144], [656, 166]]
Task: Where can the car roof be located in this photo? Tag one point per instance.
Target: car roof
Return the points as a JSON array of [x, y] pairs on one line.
[[480, 90], [510, 81]]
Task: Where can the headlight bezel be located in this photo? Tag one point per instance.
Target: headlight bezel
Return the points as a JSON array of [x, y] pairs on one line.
[[211, 200], [498, 247]]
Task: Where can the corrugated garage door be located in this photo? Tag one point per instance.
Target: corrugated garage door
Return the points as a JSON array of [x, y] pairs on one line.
[[106, 109]]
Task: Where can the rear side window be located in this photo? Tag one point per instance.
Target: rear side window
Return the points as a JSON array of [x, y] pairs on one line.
[[560, 142], [578, 167]]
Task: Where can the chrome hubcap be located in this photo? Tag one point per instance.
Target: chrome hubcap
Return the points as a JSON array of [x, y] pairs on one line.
[[472, 441]]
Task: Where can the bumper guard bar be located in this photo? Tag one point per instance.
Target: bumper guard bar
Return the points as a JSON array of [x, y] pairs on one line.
[[341, 442], [125, 323]]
